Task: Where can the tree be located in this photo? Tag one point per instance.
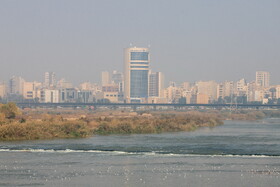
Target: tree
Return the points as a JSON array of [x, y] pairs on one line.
[[182, 100], [10, 110], [242, 99], [221, 100], [103, 100]]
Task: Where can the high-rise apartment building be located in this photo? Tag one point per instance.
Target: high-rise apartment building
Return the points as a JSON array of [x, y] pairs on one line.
[[240, 87], [277, 92], [31, 90], [136, 74], [156, 84], [105, 78], [186, 85], [225, 89], [117, 77], [85, 86], [209, 88], [263, 78], [63, 83], [50, 79], [49, 96], [2, 90], [251, 89], [16, 85]]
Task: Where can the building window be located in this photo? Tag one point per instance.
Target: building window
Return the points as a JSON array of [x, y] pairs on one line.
[[139, 62], [139, 66], [139, 56]]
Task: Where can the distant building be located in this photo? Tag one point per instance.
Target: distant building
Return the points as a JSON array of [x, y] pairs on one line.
[[225, 89], [263, 78], [187, 94], [49, 96], [172, 84], [156, 84], [49, 79], [16, 85], [241, 87], [251, 88], [259, 95], [110, 92], [31, 90], [202, 99], [68, 95], [220, 91], [172, 94], [117, 78], [277, 94], [85, 96], [105, 78], [209, 88], [62, 84], [110, 88], [136, 74], [113, 97], [199, 98], [2, 90], [186, 85], [86, 86]]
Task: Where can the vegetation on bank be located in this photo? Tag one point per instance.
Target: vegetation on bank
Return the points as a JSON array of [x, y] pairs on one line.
[[48, 124], [249, 114], [155, 124], [15, 126]]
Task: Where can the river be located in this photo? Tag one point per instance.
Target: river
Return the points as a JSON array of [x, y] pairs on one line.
[[237, 153]]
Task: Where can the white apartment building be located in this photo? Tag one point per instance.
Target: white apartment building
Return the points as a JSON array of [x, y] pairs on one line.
[[49, 96], [2, 89], [49, 79], [156, 84], [263, 78]]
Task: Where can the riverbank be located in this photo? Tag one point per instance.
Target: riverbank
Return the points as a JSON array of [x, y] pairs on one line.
[[49, 126], [33, 124]]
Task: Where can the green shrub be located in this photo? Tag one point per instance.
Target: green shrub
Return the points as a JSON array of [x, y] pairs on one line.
[[10, 110]]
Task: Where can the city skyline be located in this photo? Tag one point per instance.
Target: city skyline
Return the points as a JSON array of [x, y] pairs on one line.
[[99, 81], [190, 40], [77, 82], [140, 85], [119, 68]]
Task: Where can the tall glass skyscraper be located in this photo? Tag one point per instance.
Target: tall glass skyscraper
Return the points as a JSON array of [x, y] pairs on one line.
[[136, 74]]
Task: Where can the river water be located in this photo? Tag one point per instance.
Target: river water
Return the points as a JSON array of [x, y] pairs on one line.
[[237, 153]]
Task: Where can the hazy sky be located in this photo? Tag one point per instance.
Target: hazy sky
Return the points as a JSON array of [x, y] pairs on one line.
[[190, 39]]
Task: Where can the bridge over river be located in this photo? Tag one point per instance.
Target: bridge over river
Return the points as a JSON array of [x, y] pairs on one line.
[[147, 105]]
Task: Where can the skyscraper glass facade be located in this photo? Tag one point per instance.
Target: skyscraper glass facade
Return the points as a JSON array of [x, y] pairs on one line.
[[139, 55], [139, 74], [139, 83], [136, 74]]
